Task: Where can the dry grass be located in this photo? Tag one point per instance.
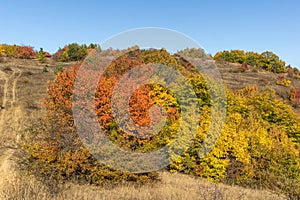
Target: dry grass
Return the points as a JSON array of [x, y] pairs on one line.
[[172, 186], [236, 79]]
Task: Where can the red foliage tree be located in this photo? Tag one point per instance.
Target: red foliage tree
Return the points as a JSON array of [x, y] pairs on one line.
[[26, 52]]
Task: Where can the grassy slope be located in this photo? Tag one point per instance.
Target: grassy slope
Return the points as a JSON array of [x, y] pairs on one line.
[[234, 78], [30, 88]]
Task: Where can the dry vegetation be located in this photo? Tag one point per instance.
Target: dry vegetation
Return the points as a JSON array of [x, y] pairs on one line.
[[23, 83], [235, 77], [172, 186]]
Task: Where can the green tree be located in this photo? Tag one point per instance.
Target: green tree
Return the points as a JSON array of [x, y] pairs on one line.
[[271, 62]]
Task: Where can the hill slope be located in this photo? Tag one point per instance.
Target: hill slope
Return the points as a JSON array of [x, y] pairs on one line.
[[23, 85], [235, 77]]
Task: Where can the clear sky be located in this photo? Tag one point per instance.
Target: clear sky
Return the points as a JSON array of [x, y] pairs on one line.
[[251, 25]]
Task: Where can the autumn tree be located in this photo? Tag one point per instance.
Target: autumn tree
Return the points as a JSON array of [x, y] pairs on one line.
[[267, 60]]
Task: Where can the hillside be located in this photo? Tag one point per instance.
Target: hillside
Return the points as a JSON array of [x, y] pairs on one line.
[[235, 78], [23, 84]]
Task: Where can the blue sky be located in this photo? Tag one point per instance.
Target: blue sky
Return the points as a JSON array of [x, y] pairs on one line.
[[250, 25]]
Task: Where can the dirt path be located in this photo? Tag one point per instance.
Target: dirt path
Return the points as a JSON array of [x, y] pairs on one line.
[[10, 123]]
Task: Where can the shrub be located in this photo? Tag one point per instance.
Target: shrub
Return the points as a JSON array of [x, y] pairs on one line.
[[41, 57], [281, 76], [2, 50], [11, 50], [26, 52], [296, 70], [58, 69], [290, 72], [245, 67], [23, 52], [294, 97], [284, 82], [45, 69], [47, 54]]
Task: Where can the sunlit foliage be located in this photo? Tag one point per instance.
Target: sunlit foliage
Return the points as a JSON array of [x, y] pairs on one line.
[[259, 144], [267, 60]]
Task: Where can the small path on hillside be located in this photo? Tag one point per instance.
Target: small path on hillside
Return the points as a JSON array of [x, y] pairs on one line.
[[10, 119], [4, 101]]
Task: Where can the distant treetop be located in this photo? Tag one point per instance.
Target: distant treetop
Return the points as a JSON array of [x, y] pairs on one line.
[[193, 53], [23, 52], [73, 52], [267, 60]]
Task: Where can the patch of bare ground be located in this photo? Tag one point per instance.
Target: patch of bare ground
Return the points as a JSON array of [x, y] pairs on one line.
[[23, 85]]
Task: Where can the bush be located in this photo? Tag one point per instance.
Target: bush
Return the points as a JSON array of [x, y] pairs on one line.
[[26, 52], [58, 69], [45, 69], [284, 82], [2, 50], [11, 50], [41, 57], [23, 52]]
